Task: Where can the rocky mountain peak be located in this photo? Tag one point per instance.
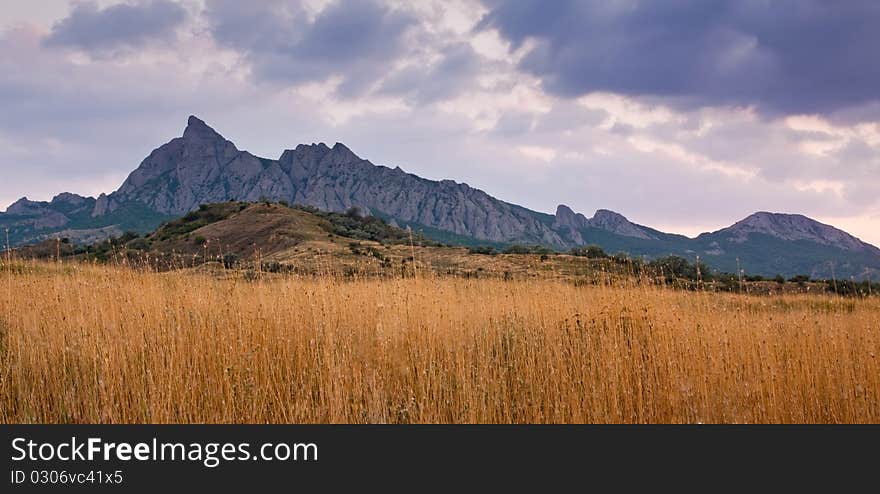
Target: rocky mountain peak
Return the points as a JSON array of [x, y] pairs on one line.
[[617, 223], [608, 217], [22, 206], [563, 211], [566, 218], [792, 227], [70, 199], [197, 129], [342, 155]]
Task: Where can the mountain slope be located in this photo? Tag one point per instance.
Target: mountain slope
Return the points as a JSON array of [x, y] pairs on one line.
[[203, 167]]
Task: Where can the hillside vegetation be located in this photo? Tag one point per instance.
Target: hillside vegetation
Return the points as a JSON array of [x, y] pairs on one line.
[[261, 238]]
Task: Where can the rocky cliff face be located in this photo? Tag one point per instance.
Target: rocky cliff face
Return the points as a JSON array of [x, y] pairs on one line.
[[203, 167]]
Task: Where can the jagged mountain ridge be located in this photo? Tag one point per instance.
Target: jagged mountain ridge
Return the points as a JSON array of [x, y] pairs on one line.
[[202, 166], [572, 223]]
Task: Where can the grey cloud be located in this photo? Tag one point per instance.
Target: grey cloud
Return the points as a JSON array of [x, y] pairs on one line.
[[356, 40], [564, 117], [42, 93], [455, 72], [127, 25], [514, 124], [862, 194], [785, 56], [622, 129], [82, 127], [867, 158]]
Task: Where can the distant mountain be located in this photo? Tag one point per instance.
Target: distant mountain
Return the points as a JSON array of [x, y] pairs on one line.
[[789, 243], [73, 216], [792, 227], [203, 167]]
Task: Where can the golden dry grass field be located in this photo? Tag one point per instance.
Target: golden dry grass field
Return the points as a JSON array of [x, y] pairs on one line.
[[103, 344]]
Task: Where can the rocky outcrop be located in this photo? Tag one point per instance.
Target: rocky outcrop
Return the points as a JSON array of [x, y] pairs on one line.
[[566, 218], [617, 223], [570, 224], [573, 224]]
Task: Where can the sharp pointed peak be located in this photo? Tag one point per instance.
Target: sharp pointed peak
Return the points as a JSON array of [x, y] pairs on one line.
[[341, 149], [197, 127], [562, 209], [340, 146], [195, 122], [566, 217]]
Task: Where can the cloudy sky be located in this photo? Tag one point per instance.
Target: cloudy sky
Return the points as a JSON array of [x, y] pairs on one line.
[[685, 115]]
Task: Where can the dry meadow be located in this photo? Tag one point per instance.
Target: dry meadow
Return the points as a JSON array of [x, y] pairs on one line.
[[81, 343]]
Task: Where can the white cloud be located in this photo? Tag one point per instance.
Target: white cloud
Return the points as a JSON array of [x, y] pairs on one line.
[[621, 109], [538, 153], [679, 153]]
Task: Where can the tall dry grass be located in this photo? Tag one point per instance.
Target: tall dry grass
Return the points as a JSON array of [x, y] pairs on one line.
[[80, 343]]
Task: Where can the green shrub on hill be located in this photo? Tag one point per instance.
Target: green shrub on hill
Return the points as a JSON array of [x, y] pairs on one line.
[[483, 249], [353, 224], [192, 221], [528, 249], [590, 251]]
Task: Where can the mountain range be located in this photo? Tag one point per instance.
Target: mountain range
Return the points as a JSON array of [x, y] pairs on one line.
[[202, 167]]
